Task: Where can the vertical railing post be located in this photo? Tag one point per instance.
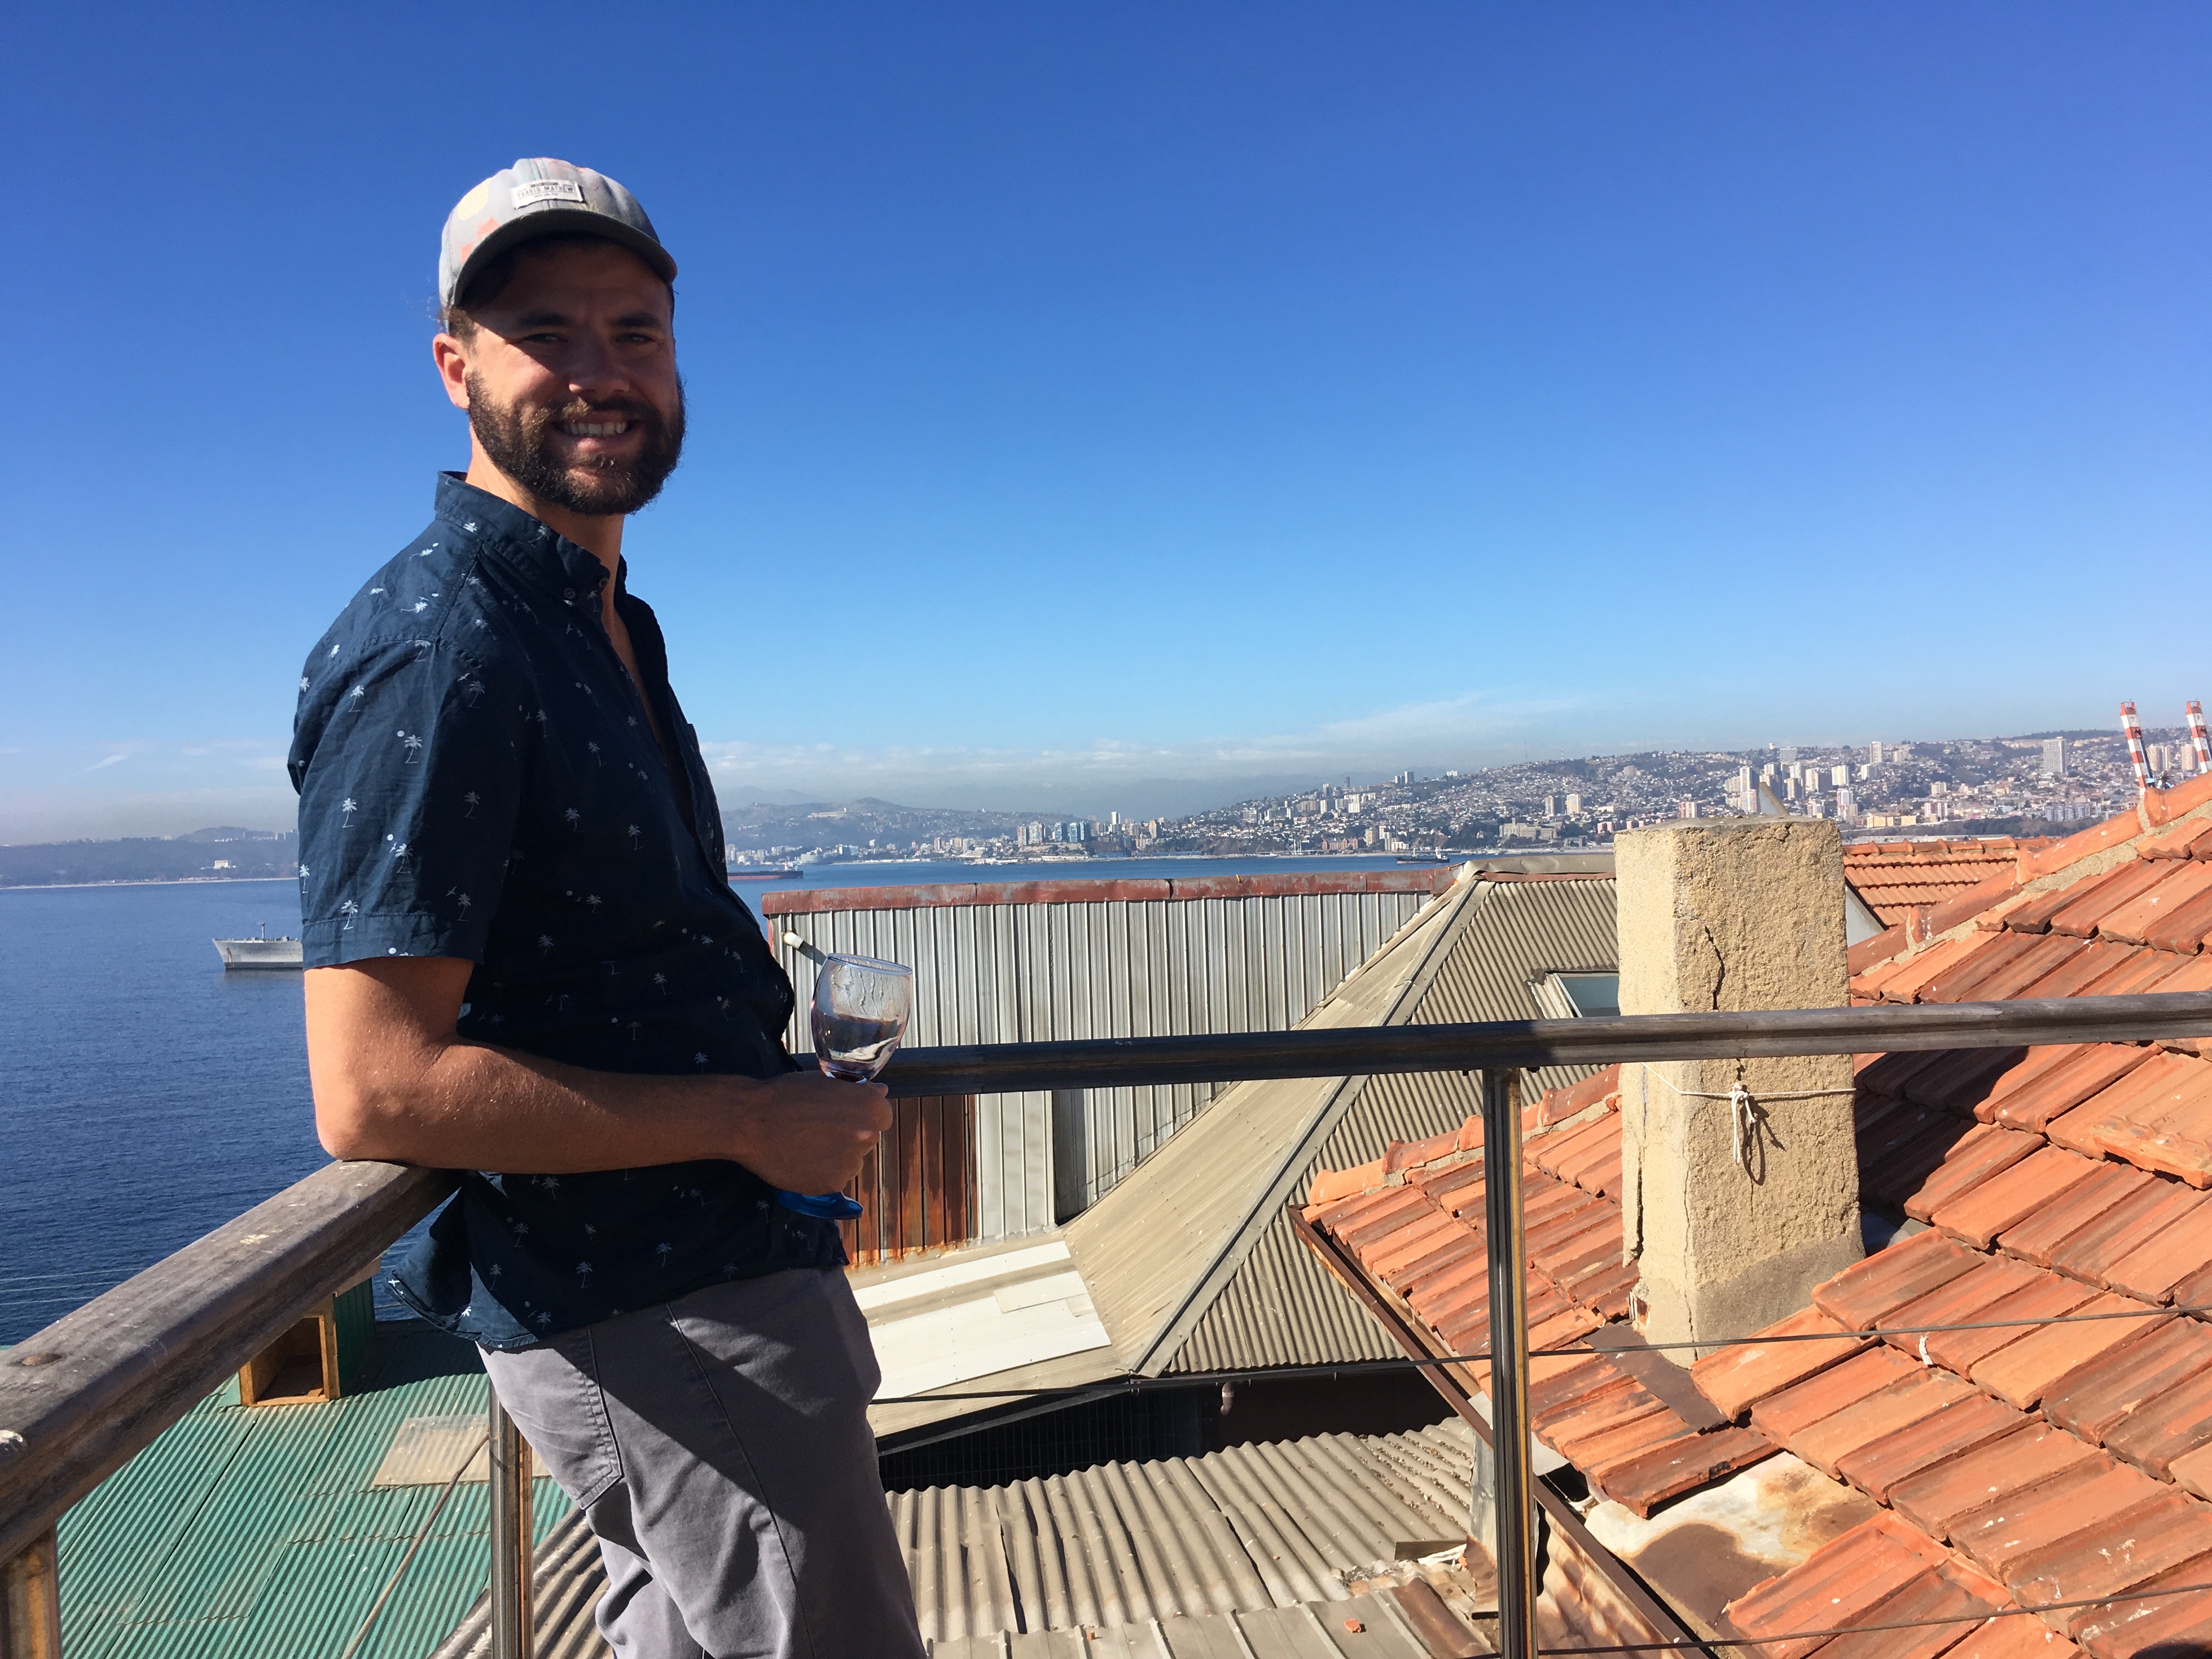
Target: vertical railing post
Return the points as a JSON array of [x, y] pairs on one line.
[[510, 1536], [1509, 1366], [31, 1603]]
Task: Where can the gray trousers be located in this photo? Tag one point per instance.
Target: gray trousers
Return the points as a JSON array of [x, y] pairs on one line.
[[719, 1448]]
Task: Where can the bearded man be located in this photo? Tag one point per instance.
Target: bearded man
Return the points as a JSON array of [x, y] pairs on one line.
[[525, 962]]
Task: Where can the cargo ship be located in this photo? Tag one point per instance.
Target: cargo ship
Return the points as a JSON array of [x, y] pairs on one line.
[[765, 873], [260, 950]]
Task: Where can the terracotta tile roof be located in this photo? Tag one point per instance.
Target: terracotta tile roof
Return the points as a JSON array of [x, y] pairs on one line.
[[2020, 1464], [1900, 880]]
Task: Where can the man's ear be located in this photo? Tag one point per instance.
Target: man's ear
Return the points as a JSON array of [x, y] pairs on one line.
[[452, 357]]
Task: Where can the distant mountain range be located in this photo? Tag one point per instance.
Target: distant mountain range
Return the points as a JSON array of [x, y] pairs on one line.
[[810, 824], [221, 852]]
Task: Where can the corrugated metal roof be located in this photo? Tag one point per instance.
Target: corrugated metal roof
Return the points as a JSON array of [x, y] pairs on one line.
[[1159, 1248], [1265, 1300], [1129, 959], [246, 1532], [1236, 1532]]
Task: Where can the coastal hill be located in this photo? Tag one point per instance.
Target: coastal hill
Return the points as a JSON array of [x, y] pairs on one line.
[[763, 824], [222, 852]]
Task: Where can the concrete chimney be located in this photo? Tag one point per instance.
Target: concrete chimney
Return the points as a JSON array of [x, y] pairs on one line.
[[1733, 1230]]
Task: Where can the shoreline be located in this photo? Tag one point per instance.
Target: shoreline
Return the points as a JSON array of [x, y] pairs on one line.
[[150, 881]]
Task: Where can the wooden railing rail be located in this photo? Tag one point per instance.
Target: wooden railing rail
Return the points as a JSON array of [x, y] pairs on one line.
[[79, 1398]]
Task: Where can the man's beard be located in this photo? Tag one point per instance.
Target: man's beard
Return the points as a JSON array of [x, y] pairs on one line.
[[519, 439]]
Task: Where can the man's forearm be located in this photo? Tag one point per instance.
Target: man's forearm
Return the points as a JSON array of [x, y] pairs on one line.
[[471, 1107], [393, 1081]]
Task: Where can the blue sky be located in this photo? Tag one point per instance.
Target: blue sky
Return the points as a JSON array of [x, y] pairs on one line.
[[1100, 405]]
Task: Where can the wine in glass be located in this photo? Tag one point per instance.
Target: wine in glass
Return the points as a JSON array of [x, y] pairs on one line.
[[860, 1010]]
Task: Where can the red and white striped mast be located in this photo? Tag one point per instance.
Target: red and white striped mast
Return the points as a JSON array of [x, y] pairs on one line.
[[2129, 725], [2197, 736]]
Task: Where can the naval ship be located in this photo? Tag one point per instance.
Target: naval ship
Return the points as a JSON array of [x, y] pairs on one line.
[[260, 950]]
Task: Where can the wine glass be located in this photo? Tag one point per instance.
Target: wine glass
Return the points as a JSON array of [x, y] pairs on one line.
[[860, 1009]]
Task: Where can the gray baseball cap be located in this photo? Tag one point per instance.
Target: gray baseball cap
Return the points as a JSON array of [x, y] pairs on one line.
[[540, 197]]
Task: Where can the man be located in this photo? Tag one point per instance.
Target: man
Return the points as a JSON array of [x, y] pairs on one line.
[[525, 960]]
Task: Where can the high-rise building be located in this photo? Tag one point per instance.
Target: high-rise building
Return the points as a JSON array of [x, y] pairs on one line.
[[1839, 775], [1550, 806], [1687, 809], [2055, 760], [1847, 806], [1874, 753], [1574, 805]]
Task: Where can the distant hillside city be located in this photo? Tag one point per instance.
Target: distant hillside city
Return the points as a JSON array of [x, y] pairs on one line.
[[1967, 786], [1974, 786]]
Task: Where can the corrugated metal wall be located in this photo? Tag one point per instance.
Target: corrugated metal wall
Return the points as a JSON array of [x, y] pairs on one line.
[[1045, 972], [917, 1189]]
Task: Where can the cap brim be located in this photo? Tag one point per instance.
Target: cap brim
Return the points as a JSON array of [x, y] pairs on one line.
[[561, 221]]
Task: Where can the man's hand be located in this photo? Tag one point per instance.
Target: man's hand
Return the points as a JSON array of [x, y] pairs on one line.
[[806, 1133]]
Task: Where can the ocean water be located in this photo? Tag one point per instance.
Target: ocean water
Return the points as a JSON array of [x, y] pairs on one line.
[[147, 1097]]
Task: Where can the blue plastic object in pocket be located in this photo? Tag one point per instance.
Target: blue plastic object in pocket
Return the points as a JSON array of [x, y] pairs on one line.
[[823, 1206]]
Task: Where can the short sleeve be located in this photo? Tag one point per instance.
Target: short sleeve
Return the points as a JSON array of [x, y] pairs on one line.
[[411, 779]]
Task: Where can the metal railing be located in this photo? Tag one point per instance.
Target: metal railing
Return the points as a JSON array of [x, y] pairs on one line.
[[79, 1398]]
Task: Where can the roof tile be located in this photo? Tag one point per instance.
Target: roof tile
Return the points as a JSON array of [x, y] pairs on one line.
[[2008, 1199], [1941, 1498], [1916, 973], [2142, 970], [1972, 1423], [2045, 1233], [2164, 1426], [1983, 1151], [1959, 1081], [2157, 1627], [2060, 1088], [2089, 903], [1992, 954], [2021, 1524], [2193, 1470], [2014, 1639], [2049, 954], [2086, 966], [2178, 841], [2048, 1297], [2182, 930], [1945, 1602], [1963, 1300], [2019, 1373], [2094, 1252], [1865, 1291], [2134, 922], [1649, 1479], [1782, 1417], [2164, 1531], [1740, 1375], [2093, 1398], [2154, 1269], [1901, 1405], [1843, 1580]]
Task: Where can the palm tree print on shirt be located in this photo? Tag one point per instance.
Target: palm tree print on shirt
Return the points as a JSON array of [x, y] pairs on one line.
[[472, 800], [576, 819], [413, 744], [636, 837], [348, 910], [347, 807]]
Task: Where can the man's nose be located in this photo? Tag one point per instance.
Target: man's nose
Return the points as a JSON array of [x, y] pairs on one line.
[[596, 370]]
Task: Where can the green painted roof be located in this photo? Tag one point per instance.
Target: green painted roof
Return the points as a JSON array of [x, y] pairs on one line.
[[253, 1533]]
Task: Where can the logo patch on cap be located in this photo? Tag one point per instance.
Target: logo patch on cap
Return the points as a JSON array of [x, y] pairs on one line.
[[545, 190]]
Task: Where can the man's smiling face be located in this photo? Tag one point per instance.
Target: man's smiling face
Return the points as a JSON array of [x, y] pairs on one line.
[[568, 374]]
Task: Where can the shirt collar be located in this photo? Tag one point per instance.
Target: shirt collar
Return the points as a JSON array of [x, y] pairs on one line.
[[549, 560]]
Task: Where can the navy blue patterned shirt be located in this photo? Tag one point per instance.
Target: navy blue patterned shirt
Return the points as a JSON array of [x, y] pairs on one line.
[[477, 779]]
